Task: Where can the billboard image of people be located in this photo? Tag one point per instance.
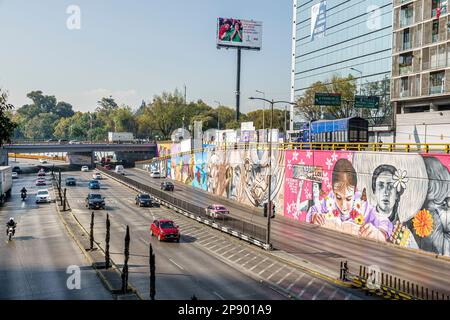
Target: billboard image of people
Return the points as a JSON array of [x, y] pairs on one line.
[[239, 33]]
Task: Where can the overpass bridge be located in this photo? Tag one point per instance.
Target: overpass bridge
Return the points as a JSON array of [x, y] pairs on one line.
[[127, 152]]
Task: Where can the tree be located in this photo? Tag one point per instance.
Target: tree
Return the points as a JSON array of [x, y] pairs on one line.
[[345, 86], [382, 90], [124, 120], [64, 109], [41, 127], [167, 112], [278, 119], [7, 126]]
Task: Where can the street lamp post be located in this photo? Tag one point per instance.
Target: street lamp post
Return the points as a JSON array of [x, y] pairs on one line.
[[218, 119], [269, 211], [264, 108], [360, 81]]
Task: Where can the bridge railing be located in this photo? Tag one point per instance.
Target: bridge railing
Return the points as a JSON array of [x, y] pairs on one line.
[[368, 146], [249, 229]]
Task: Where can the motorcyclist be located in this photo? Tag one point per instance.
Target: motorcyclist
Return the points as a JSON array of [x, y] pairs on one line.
[[23, 193], [11, 223]]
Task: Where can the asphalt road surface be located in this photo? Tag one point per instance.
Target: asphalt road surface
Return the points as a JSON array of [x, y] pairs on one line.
[[205, 263], [34, 265], [323, 247]]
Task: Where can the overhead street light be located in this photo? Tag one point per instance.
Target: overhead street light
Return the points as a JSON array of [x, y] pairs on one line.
[[269, 211], [264, 109], [360, 81]]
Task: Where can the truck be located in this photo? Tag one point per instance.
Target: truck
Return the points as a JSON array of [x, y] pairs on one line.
[[5, 183], [120, 137]]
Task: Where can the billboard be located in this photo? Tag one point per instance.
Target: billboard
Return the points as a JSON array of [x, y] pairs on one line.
[[239, 33], [318, 20]]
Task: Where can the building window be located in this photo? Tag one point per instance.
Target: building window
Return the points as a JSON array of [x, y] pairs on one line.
[[435, 32], [404, 87], [406, 39], [438, 7], [406, 15], [405, 63], [437, 82]]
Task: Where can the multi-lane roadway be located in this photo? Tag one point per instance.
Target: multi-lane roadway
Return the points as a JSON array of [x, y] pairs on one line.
[[326, 248], [40, 260]]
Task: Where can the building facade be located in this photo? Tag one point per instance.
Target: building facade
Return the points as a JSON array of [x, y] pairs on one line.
[[420, 87], [341, 37]]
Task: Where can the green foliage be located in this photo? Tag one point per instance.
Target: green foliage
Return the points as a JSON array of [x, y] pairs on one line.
[[7, 126], [278, 118]]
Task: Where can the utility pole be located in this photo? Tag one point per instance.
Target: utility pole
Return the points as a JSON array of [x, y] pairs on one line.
[[238, 85]]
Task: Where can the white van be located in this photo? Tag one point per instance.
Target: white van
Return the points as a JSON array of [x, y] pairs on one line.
[[119, 169]]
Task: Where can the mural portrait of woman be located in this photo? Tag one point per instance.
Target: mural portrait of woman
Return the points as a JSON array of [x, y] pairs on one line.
[[347, 210], [432, 224]]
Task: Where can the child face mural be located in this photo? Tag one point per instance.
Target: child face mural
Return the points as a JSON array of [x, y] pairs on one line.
[[344, 197]]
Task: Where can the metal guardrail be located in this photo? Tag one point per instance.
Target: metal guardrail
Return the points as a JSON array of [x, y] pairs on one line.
[[244, 230], [387, 286]]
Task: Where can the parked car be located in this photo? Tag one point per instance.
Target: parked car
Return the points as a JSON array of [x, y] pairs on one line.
[[94, 184], [119, 169], [165, 230], [74, 142], [95, 201], [14, 175], [43, 161], [43, 196], [41, 182], [71, 182], [155, 174], [52, 140], [17, 169], [217, 211], [63, 141], [167, 186], [84, 169], [143, 200], [96, 176]]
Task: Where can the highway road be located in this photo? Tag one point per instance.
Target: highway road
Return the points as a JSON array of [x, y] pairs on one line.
[[206, 263], [326, 248], [34, 265]]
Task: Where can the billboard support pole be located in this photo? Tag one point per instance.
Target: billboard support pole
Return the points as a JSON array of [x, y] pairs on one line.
[[238, 84]]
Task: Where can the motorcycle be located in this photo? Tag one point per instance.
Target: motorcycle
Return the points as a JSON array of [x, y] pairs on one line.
[[10, 233], [24, 196]]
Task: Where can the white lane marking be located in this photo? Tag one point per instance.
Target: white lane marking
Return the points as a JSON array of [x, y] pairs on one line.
[[318, 292], [348, 296], [250, 260], [224, 253], [294, 282], [307, 286], [235, 254], [176, 264], [285, 276], [275, 272], [243, 257], [258, 264], [270, 266], [220, 297], [333, 294]]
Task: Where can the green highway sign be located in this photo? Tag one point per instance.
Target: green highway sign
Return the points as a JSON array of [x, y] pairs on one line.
[[370, 102], [327, 99]]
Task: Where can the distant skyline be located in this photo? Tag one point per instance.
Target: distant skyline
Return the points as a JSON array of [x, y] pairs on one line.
[[133, 50]]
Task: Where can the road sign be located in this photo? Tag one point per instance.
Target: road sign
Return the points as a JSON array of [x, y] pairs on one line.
[[327, 99], [370, 102]]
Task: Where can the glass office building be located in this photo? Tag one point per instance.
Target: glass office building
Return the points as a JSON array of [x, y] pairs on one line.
[[330, 37]]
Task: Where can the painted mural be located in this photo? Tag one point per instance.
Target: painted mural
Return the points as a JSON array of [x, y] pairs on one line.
[[395, 198]]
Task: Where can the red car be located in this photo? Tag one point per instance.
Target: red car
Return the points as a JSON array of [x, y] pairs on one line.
[[165, 230], [108, 167], [40, 182], [217, 211]]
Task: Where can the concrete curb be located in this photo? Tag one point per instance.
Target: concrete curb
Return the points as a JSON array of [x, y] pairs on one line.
[[88, 257]]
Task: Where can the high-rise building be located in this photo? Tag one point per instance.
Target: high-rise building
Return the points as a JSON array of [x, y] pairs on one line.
[[341, 37], [421, 71]]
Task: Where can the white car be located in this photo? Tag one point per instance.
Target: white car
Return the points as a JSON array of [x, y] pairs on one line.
[[119, 169], [14, 175], [84, 168], [43, 161], [155, 174], [97, 176], [43, 196]]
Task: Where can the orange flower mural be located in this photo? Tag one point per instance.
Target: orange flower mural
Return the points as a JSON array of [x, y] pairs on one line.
[[423, 223]]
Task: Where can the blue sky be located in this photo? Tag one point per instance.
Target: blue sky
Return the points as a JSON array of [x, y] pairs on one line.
[[135, 49]]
